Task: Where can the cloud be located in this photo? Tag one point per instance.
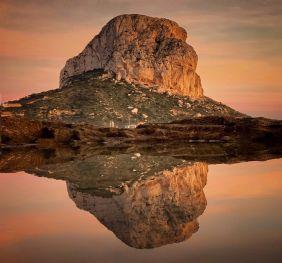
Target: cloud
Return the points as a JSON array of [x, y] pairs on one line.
[[56, 15], [62, 15]]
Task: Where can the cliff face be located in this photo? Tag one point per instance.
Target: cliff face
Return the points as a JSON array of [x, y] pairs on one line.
[[159, 210], [141, 50]]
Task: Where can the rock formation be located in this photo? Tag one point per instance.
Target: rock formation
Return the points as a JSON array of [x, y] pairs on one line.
[[159, 210], [141, 50], [17, 131]]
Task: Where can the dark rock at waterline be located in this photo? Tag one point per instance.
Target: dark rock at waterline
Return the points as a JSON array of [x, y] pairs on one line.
[[203, 129]]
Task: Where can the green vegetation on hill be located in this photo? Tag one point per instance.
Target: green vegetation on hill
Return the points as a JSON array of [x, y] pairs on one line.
[[95, 98]]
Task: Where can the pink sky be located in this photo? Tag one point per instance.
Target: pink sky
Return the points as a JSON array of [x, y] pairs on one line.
[[238, 43]]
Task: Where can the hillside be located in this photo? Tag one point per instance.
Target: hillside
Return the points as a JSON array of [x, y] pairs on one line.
[[137, 70], [96, 98]]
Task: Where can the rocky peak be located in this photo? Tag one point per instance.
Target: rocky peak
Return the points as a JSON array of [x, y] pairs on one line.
[[141, 50]]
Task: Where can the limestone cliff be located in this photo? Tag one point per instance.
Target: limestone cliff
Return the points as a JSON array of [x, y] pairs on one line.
[[141, 50]]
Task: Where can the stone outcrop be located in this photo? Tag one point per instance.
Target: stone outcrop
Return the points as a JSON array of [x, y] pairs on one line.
[[141, 50], [159, 210], [17, 131]]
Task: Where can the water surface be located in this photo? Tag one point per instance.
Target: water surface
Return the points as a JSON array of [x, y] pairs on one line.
[[130, 207]]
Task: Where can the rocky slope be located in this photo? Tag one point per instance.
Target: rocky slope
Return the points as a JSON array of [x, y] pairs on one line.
[[142, 50], [92, 98]]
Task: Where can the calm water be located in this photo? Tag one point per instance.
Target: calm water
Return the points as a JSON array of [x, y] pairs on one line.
[[171, 211]]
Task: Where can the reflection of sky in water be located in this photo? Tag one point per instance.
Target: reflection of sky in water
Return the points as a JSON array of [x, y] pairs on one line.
[[242, 220]]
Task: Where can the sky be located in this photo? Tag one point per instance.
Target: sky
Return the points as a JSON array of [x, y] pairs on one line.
[[239, 44]]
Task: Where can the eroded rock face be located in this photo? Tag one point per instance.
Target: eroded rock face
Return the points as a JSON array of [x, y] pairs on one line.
[[141, 50], [153, 212]]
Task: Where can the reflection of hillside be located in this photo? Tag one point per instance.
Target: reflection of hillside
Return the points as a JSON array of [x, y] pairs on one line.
[[105, 175], [149, 195], [30, 158], [152, 212], [103, 170]]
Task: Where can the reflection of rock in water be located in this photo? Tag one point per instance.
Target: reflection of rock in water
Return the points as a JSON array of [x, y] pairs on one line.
[[158, 210], [148, 199], [148, 195], [106, 175]]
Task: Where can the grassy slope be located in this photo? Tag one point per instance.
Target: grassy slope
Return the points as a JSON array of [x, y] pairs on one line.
[[88, 98]]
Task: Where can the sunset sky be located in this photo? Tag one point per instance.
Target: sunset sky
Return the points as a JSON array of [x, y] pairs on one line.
[[239, 44]]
